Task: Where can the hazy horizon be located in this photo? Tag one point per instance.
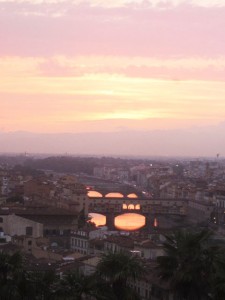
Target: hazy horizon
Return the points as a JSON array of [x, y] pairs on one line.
[[190, 142]]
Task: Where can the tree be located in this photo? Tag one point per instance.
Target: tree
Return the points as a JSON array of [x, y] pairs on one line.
[[42, 283], [77, 286], [10, 268], [118, 269], [217, 274], [189, 264]]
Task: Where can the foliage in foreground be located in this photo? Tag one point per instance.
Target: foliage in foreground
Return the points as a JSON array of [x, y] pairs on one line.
[[193, 267], [18, 284]]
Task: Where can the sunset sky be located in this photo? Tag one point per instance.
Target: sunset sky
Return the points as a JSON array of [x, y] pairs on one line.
[[115, 66]]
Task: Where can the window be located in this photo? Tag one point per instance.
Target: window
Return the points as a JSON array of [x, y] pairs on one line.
[[137, 206], [29, 243], [131, 206], [1, 220], [29, 230]]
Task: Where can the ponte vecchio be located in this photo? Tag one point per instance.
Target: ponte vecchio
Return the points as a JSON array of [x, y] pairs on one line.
[[114, 204]]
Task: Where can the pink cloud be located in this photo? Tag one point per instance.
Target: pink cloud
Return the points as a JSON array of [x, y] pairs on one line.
[[208, 73], [129, 31]]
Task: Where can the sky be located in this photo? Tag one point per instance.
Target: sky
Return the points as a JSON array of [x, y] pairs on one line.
[[112, 70]]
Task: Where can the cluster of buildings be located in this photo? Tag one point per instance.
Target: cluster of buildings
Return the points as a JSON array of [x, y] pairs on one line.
[[199, 185], [46, 216]]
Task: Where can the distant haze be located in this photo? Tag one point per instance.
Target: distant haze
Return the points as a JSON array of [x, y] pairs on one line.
[[199, 141]]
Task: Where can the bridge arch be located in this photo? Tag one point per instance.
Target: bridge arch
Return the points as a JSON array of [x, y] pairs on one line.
[[124, 206], [137, 206], [114, 195], [94, 194], [98, 219], [132, 196], [130, 221], [130, 206]]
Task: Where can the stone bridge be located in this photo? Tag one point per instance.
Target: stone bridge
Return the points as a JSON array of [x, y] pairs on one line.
[[115, 204]]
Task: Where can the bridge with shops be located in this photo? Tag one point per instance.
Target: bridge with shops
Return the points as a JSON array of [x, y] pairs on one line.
[[112, 205]]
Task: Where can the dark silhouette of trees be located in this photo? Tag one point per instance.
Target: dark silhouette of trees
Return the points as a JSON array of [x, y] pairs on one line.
[[118, 269], [10, 270], [63, 164], [192, 266]]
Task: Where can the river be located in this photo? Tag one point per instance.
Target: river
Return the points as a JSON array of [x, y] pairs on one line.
[[125, 222]]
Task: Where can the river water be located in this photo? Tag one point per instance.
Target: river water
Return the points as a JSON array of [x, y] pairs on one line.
[[126, 222]]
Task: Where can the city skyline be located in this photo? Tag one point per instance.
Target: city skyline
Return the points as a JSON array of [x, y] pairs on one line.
[[149, 70]]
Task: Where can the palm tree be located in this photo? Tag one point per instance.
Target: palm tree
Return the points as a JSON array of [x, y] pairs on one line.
[[10, 268], [9, 265], [26, 289], [74, 285], [188, 263], [118, 269], [217, 274], [42, 283]]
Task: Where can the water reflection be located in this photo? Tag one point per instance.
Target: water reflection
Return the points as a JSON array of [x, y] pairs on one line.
[[127, 222], [98, 219]]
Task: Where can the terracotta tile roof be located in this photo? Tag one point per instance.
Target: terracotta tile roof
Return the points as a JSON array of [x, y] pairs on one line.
[[122, 241]]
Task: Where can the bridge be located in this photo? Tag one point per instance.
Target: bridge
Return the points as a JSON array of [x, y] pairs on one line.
[[112, 205]]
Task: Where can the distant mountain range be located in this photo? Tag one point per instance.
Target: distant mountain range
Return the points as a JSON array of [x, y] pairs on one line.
[[199, 141]]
